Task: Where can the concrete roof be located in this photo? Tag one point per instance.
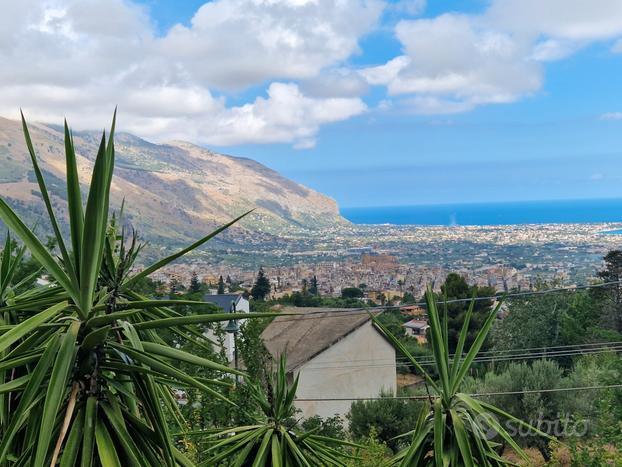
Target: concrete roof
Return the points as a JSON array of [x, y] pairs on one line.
[[416, 324], [305, 336]]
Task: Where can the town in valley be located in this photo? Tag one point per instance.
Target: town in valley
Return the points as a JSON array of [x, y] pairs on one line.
[[389, 260]]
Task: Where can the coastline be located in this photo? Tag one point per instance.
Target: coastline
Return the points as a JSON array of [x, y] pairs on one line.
[[592, 211]]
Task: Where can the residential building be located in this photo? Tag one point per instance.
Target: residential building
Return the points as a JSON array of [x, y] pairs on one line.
[[227, 303], [337, 354], [417, 328]]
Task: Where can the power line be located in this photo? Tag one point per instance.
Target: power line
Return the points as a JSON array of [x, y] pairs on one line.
[[432, 364], [502, 352], [485, 394], [546, 347], [380, 308], [542, 355]]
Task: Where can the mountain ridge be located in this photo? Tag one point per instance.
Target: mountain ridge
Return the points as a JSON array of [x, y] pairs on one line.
[[175, 192]]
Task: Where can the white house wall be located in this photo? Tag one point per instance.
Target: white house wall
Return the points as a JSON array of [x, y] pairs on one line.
[[243, 306], [362, 364]]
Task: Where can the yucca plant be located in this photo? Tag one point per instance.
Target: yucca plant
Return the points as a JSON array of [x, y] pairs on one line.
[[273, 440], [85, 378], [452, 430]]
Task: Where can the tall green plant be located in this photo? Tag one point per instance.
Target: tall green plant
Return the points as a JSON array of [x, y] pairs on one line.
[[273, 441], [452, 430], [85, 378]]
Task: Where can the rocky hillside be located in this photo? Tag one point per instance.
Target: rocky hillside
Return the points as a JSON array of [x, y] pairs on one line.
[[174, 192]]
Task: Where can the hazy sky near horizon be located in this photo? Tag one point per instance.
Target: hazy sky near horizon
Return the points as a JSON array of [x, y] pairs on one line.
[[374, 102]]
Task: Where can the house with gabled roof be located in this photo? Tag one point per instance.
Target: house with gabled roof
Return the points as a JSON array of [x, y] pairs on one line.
[[338, 355], [417, 328]]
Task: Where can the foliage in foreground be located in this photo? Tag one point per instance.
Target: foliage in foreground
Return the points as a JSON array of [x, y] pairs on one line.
[[85, 377], [272, 440], [574, 416], [596, 452], [452, 430], [386, 418]]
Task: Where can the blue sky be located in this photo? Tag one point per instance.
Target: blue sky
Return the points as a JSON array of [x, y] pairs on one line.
[[391, 102], [550, 145]]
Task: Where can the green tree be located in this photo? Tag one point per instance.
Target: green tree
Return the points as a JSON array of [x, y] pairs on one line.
[[261, 288], [612, 316], [408, 298], [603, 407], [387, 417], [313, 289], [329, 426], [455, 287], [550, 320], [538, 409], [147, 287], [451, 427], [221, 286], [175, 287], [372, 452], [591, 453], [382, 298], [195, 285], [394, 321], [351, 292]]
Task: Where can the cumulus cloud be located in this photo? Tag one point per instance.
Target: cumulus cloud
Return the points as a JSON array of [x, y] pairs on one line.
[[237, 43], [454, 62], [83, 57], [285, 63], [285, 115], [563, 19], [341, 82], [474, 65]]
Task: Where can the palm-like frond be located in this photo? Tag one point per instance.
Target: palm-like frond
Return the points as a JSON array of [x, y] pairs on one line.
[[85, 377], [272, 441], [453, 429]]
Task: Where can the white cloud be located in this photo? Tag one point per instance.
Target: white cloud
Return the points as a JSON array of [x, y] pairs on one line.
[[455, 62], [430, 105], [611, 116], [578, 20], [474, 65], [163, 113], [408, 7], [340, 82], [385, 74], [285, 115], [236, 43], [82, 57], [85, 56], [554, 49]]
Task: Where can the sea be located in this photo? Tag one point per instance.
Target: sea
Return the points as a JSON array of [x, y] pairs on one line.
[[498, 213]]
